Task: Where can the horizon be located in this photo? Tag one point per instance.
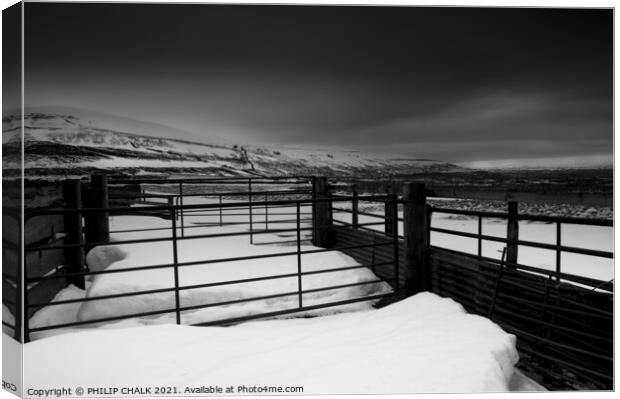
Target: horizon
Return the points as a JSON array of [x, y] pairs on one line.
[[141, 128], [468, 86]]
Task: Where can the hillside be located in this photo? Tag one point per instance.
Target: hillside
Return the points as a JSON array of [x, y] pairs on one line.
[[60, 144]]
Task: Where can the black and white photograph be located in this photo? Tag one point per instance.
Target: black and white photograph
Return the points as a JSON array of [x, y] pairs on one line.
[[228, 199]]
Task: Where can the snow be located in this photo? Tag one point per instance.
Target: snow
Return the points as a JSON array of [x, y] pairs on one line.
[[101, 257], [573, 162], [521, 382], [54, 117], [343, 159], [120, 162], [147, 145], [160, 253], [60, 314], [422, 344], [7, 317]]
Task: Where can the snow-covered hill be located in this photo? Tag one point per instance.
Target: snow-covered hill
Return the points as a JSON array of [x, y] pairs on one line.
[[63, 143]]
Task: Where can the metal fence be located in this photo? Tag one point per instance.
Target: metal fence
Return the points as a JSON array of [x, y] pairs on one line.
[[385, 220], [557, 247], [248, 189], [563, 320], [285, 212]]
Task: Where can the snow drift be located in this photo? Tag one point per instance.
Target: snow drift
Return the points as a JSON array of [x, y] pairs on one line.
[[422, 344], [215, 273]]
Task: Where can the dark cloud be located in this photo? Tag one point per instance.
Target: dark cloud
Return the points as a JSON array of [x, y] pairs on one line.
[[11, 57], [376, 77]]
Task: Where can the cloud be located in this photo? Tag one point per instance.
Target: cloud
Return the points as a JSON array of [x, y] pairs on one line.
[[416, 80]]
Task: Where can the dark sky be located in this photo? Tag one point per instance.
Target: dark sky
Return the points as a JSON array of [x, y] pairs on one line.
[[458, 84]]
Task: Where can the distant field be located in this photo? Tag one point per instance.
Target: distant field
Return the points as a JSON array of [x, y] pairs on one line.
[[544, 180]]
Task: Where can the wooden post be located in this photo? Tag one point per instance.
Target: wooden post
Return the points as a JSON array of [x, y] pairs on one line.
[[331, 207], [251, 219], [512, 233], [97, 224], [558, 252], [180, 211], [355, 209], [266, 212], [416, 238], [73, 226], [173, 214], [429, 219], [322, 218], [313, 209], [389, 213]]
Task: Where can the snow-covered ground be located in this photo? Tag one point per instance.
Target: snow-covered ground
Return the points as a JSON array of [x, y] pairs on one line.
[[579, 236], [105, 141], [422, 344], [120, 162], [8, 318]]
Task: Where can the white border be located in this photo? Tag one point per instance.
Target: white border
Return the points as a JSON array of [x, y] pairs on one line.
[[476, 3]]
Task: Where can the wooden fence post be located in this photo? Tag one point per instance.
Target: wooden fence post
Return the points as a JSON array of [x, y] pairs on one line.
[[429, 219], [416, 238], [73, 225], [355, 209], [512, 233], [322, 217], [313, 209], [97, 224], [173, 213], [389, 213]]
